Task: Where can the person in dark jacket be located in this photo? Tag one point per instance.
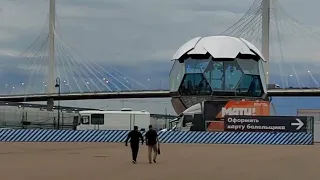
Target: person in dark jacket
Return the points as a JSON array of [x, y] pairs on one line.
[[134, 137], [152, 142]]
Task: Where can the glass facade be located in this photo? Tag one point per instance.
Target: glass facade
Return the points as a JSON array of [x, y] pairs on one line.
[[262, 75], [249, 66], [196, 66], [223, 75], [176, 75], [195, 84], [240, 77], [250, 85]]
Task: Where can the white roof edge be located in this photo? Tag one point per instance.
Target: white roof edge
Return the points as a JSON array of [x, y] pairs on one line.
[[253, 48], [218, 47], [186, 47], [194, 109], [224, 46]]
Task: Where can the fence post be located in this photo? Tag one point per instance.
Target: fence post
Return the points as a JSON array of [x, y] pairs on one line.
[[312, 119], [62, 120], [54, 122]]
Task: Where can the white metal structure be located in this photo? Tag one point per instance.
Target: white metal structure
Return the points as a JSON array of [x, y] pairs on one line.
[[113, 120], [191, 111], [52, 22], [266, 35], [224, 47], [218, 47]]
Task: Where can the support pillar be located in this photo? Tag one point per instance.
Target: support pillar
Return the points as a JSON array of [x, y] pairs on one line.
[[266, 36], [50, 104], [51, 67]]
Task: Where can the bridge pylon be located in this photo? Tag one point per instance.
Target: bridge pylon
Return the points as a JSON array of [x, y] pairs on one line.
[[265, 49], [51, 67]]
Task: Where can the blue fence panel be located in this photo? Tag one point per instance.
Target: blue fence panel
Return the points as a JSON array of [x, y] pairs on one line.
[[35, 135]]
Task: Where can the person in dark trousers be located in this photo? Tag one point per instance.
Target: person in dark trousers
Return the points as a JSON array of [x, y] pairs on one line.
[[134, 137], [152, 142]]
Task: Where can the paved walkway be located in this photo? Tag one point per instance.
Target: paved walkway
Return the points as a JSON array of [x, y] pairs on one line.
[[95, 161]]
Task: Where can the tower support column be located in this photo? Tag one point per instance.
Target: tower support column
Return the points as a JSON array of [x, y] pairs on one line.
[[50, 104], [51, 67], [266, 36]]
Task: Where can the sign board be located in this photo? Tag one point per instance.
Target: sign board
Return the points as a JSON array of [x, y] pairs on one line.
[[266, 123], [217, 109]]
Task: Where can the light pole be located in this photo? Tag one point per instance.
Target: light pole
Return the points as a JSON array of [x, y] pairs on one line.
[[58, 86], [289, 77], [165, 111], [24, 101]]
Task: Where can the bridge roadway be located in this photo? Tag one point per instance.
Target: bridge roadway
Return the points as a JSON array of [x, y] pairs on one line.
[[139, 94]]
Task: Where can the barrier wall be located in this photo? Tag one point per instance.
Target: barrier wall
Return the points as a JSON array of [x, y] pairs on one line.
[[36, 135]]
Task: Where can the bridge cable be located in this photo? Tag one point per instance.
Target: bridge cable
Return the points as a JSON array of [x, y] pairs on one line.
[[101, 68], [44, 30], [281, 49], [66, 72], [306, 30], [281, 53], [74, 71], [69, 50], [245, 22], [85, 67], [91, 68], [36, 58], [253, 7]]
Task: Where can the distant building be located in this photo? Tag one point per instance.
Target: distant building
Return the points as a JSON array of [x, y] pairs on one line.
[[315, 113], [216, 67]]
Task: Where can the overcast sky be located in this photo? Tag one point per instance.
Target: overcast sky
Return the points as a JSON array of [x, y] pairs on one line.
[[141, 34], [126, 31]]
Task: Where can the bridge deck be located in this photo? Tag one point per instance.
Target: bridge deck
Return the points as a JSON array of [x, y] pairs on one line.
[[137, 94]]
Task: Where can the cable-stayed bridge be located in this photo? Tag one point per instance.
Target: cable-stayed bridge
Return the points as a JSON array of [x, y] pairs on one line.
[[49, 57]]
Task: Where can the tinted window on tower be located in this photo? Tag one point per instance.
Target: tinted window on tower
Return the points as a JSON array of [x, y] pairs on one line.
[[250, 85], [194, 84]]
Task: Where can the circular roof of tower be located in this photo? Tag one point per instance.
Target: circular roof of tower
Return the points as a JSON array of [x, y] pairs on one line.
[[218, 47]]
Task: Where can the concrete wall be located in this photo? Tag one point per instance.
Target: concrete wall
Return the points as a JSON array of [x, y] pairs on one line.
[[316, 114]]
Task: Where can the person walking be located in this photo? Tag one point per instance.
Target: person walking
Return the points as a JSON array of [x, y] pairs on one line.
[[135, 136], [152, 141]]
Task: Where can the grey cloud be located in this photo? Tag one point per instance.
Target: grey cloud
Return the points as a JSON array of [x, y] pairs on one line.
[[304, 11], [128, 33], [138, 37]]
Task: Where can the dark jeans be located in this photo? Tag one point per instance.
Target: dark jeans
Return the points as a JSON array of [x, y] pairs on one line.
[[135, 150]]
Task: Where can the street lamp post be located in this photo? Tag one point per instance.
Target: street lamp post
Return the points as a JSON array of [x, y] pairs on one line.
[[24, 101], [289, 77], [59, 90], [149, 84]]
